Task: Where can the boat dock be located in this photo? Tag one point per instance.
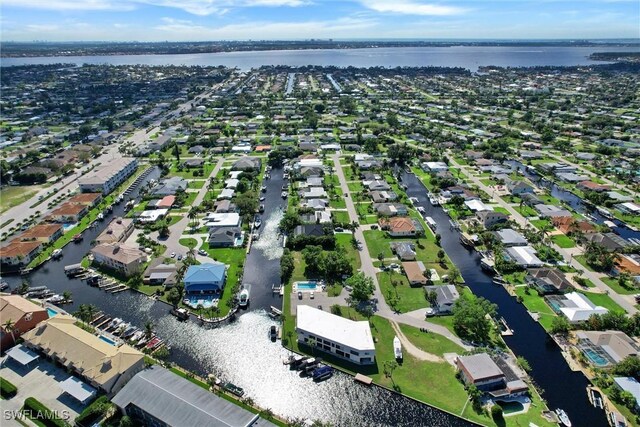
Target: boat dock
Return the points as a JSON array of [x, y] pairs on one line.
[[363, 379], [277, 289]]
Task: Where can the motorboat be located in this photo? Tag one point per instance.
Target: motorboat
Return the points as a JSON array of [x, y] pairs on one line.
[[397, 348], [129, 332], [563, 417], [180, 313], [433, 200], [114, 323], [243, 298], [56, 299], [322, 373], [122, 328], [137, 335]]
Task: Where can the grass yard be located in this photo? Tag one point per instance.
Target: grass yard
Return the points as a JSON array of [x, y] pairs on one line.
[[377, 242], [402, 297], [612, 282], [344, 240], [234, 258], [13, 196], [536, 304], [563, 241], [341, 216], [604, 301], [431, 343]]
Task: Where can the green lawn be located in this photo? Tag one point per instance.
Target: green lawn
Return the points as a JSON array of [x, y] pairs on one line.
[[377, 242], [13, 196], [338, 203], [624, 290], [431, 343], [188, 242], [539, 223], [536, 304], [344, 240], [604, 301], [234, 258], [402, 297], [341, 217], [563, 241]]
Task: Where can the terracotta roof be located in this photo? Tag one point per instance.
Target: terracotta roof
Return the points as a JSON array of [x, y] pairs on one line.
[[40, 230], [17, 248], [14, 307], [166, 202], [414, 272], [85, 198], [628, 264], [399, 224], [119, 252], [567, 224], [68, 209]]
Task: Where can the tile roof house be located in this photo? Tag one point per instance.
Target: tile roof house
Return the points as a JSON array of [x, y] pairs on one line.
[[118, 230], [24, 316], [614, 346], [390, 209], [247, 163], [548, 281], [414, 270], [383, 196], [45, 233], [104, 366], [611, 241], [400, 226], [18, 254], [68, 212], [170, 186], [87, 199], [119, 257], [158, 273], [208, 278], [592, 186], [569, 225]]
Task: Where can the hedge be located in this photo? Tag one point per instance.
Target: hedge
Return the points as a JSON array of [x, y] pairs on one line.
[[7, 390], [41, 414], [94, 412]]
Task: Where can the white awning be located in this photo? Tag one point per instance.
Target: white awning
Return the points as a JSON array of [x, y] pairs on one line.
[[78, 389], [22, 355]]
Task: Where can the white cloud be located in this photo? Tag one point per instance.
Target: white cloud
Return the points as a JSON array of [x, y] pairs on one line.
[[71, 5], [411, 7]]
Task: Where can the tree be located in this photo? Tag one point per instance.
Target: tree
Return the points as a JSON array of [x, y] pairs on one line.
[[470, 321], [176, 152], [247, 203], [361, 286], [389, 367], [560, 325], [289, 221], [192, 215], [287, 265], [67, 296], [441, 256], [381, 258], [9, 326], [497, 413], [523, 363], [174, 297], [454, 275], [148, 329], [431, 296], [475, 396], [629, 367]]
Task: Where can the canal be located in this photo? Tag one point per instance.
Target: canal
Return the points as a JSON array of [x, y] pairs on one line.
[[241, 351], [562, 388]]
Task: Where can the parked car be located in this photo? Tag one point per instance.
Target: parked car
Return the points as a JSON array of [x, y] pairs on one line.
[[173, 254], [299, 295], [202, 252]]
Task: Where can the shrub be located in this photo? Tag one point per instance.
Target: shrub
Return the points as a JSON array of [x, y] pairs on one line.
[[44, 415], [7, 390], [496, 412], [94, 412]]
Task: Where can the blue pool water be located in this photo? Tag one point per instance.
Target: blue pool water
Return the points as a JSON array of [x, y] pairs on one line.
[[107, 340], [307, 286], [51, 312], [595, 358], [67, 227], [206, 301]]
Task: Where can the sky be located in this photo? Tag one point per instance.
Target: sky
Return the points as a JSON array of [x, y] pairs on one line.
[[205, 20]]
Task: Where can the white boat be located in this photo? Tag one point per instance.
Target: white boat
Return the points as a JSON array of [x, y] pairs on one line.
[[243, 298], [397, 348], [563, 417], [114, 323], [55, 299], [57, 253]]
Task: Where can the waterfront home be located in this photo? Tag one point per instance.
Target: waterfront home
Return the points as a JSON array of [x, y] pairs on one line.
[[548, 281], [551, 211], [414, 270], [577, 307], [24, 316], [160, 274], [404, 250], [118, 230], [314, 193], [106, 178], [569, 225], [119, 257], [377, 185], [18, 253], [509, 237], [490, 218], [166, 202], [523, 256], [628, 208], [226, 237], [434, 166], [483, 372], [222, 220], [631, 385], [400, 226], [151, 216], [45, 233], [628, 263], [67, 213], [315, 204], [383, 196], [592, 186], [158, 397], [170, 186], [337, 335], [606, 348], [247, 163], [87, 199], [446, 297], [571, 177], [517, 188], [208, 278], [610, 241], [390, 209], [104, 366], [476, 205]]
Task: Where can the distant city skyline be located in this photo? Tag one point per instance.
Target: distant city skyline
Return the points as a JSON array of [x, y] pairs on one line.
[[202, 20]]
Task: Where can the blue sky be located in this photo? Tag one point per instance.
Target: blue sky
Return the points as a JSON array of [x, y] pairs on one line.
[[185, 20]]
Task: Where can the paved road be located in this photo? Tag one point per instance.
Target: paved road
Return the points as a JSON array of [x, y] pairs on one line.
[[383, 309], [625, 301]]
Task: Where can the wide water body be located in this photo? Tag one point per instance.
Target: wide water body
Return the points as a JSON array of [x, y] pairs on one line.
[[470, 57]]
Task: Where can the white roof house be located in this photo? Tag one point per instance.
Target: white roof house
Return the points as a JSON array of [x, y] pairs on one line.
[[524, 256], [351, 338], [578, 308], [231, 183], [231, 219], [476, 205], [152, 215], [227, 193], [436, 166]]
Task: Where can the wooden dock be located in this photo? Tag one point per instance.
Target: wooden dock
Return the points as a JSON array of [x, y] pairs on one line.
[[363, 379]]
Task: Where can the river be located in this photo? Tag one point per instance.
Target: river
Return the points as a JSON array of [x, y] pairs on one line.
[[562, 388], [241, 351], [469, 57]]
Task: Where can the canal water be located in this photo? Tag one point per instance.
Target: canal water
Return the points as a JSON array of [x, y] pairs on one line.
[[574, 201], [240, 351], [562, 388]]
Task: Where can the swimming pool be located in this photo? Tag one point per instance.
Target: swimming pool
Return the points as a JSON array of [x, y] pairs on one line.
[[51, 312], [594, 357], [68, 226], [107, 340], [306, 286], [206, 301], [511, 406]]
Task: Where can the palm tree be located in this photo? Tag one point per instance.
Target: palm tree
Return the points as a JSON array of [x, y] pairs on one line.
[[67, 296], [82, 312], [148, 329], [91, 312], [9, 327], [192, 215]]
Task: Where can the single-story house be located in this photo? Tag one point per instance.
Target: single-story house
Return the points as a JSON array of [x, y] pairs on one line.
[[612, 346], [509, 237], [400, 226], [225, 237], [390, 209], [611, 241], [221, 220], [170, 186], [551, 211], [404, 250], [577, 307], [548, 281], [247, 163], [414, 270], [524, 256], [160, 274], [483, 372], [447, 295], [383, 196]]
